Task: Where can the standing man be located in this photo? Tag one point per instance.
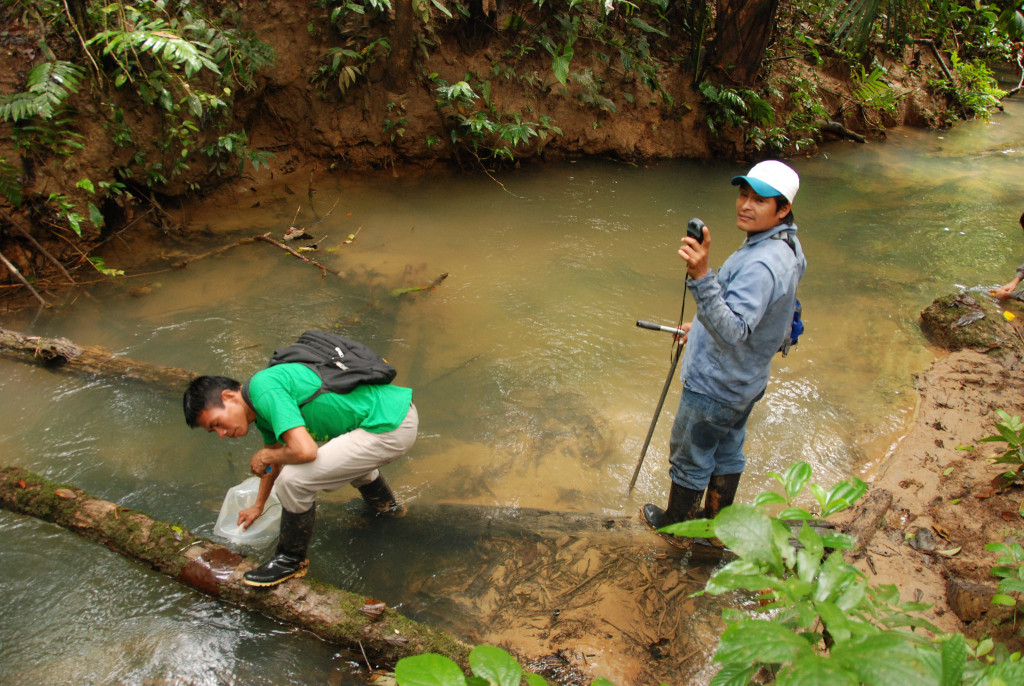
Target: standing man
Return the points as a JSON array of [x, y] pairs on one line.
[[744, 316], [360, 432]]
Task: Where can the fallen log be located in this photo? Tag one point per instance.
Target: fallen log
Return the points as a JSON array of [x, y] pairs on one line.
[[837, 129], [62, 353], [333, 615]]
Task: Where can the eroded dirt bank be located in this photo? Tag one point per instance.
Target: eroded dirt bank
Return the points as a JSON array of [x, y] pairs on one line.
[[950, 500]]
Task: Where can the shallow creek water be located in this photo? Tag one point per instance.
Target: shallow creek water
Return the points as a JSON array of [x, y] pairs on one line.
[[534, 386]]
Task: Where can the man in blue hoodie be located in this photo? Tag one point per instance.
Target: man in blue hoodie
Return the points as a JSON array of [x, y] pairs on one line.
[[744, 316]]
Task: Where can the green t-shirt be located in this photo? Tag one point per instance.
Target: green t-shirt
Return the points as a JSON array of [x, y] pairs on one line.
[[275, 394]]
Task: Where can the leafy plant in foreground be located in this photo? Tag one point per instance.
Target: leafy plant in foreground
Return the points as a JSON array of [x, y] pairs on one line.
[[820, 621], [1010, 570], [1010, 431], [491, 667]]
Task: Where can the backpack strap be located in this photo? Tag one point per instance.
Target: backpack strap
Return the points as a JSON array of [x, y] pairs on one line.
[[787, 236]]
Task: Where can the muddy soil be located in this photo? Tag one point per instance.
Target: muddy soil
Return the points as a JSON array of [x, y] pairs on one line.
[[950, 499]]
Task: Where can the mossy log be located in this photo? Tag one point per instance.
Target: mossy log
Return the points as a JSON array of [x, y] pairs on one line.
[[66, 355], [334, 615]]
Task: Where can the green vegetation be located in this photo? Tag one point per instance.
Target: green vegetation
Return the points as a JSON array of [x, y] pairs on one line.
[[153, 55], [491, 667], [161, 81], [1010, 430], [818, 620]]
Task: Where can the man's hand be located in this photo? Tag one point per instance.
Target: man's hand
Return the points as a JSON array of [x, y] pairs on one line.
[[260, 461], [1006, 290], [681, 337], [696, 254], [249, 515], [298, 447]]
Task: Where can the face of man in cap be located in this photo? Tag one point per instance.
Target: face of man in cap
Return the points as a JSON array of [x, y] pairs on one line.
[[756, 213]]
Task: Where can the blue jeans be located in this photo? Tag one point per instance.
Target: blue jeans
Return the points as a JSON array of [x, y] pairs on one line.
[[707, 439]]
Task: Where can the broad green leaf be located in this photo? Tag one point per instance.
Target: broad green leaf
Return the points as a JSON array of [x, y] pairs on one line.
[[729, 580], [734, 674], [560, 67], [647, 28], [835, 574], [495, 665], [96, 217], [535, 680], [692, 528], [795, 514], [954, 660], [1003, 599], [796, 478], [816, 670], [746, 531], [769, 498], [808, 558], [428, 669], [839, 541], [760, 640], [853, 596], [888, 657], [835, 620]]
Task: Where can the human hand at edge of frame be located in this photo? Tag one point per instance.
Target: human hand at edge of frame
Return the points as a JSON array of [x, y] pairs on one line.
[[1004, 291], [696, 254]]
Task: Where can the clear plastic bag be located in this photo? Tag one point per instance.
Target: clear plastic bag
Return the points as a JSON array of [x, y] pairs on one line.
[[263, 530]]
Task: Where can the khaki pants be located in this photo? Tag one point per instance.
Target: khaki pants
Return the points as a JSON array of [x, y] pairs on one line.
[[351, 458]]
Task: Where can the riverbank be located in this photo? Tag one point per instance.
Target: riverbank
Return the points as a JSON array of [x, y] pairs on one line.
[[949, 501]]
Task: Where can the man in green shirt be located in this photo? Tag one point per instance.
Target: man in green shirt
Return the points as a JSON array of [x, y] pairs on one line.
[[358, 433]]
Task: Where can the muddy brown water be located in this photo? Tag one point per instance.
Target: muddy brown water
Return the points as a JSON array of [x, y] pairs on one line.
[[534, 386]]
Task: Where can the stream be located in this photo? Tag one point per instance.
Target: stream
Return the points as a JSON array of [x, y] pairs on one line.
[[534, 386]]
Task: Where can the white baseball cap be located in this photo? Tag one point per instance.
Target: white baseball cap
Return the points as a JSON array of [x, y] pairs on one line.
[[771, 178]]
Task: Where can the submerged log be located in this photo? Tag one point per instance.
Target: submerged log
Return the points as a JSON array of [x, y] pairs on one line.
[[64, 354], [333, 615]]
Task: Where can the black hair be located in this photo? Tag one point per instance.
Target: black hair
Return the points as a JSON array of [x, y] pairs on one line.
[[781, 200], [205, 392]]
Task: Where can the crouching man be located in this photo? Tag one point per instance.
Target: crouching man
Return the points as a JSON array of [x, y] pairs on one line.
[[358, 432]]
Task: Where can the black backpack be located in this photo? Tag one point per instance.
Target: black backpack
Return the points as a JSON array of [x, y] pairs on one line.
[[341, 363]]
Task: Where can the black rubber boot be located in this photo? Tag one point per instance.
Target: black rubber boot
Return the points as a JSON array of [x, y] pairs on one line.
[[289, 561], [683, 505], [721, 493], [379, 497]]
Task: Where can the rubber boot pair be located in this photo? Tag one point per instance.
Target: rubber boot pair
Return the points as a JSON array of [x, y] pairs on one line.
[[289, 561], [379, 497], [683, 505]]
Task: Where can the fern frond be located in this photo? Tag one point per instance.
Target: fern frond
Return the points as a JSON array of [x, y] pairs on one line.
[[49, 85], [160, 42], [9, 186]]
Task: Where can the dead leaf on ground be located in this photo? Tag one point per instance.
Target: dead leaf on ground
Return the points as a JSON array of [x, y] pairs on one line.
[[373, 608], [65, 493]]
